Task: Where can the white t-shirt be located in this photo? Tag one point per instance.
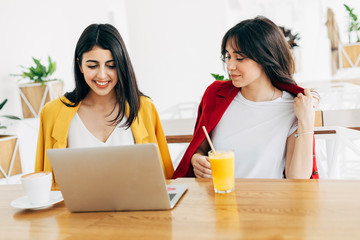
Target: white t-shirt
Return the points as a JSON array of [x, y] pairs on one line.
[[80, 136], [257, 132]]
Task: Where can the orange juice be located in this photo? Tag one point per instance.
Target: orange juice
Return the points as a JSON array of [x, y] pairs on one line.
[[222, 168]]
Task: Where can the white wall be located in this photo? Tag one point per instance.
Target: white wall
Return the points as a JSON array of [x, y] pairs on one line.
[[175, 45]]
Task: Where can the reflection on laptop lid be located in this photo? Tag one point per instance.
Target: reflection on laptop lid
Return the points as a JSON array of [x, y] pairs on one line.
[[113, 178]]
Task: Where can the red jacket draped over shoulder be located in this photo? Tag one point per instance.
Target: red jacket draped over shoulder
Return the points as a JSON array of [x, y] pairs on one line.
[[214, 103]]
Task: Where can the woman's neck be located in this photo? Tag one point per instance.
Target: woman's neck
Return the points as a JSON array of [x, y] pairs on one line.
[[98, 101], [260, 91]]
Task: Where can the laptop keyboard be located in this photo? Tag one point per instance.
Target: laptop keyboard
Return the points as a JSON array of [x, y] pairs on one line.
[[171, 195]]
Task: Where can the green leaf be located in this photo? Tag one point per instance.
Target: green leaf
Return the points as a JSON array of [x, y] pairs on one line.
[[32, 70], [38, 72], [11, 117], [347, 7], [217, 76], [37, 61], [28, 75], [52, 67], [3, 103]]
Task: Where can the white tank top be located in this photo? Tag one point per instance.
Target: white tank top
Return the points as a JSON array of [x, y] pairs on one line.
[[257, 132], [80, 136]]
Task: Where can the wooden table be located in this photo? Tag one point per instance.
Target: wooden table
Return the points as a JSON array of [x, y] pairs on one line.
[[181, 130], [178, 130], [258, 209]]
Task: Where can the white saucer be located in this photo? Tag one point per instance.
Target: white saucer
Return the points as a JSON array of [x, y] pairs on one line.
[[23, 202]]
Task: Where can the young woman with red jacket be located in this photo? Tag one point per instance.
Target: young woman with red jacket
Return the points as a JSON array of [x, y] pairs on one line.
[[261, 113]]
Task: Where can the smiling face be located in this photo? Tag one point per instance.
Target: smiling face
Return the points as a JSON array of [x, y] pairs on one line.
[[243, 71], [98, 67]]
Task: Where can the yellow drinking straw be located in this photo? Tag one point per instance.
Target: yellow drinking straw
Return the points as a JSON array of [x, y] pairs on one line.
[[209, 140]]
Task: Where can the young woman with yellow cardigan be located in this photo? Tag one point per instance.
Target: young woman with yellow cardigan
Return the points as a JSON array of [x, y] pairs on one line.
[[106, 106]]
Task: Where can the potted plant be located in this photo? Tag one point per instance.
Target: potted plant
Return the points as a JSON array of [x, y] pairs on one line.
[[354, 23], [37, 87], [292, 39], [219, 77], [10, 163], [350, 53]]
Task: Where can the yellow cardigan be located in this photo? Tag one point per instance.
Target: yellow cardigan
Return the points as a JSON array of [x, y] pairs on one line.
[[55, 120]]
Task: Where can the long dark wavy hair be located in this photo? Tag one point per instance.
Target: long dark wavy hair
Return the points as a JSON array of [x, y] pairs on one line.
[[262, 41], [107, 37]]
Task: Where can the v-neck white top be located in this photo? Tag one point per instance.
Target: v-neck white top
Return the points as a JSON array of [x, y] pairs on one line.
[[80, 137], [257, 132]]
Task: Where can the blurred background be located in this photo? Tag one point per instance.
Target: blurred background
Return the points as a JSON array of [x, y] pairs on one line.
[[174, 45]]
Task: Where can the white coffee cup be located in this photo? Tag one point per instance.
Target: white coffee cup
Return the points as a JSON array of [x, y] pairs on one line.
[[37, 186]]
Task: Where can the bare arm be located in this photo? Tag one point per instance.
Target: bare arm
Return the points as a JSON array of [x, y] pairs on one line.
[[200, 161], [299, 150]]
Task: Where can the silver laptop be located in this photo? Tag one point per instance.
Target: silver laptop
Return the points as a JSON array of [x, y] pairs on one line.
[[114, 178]]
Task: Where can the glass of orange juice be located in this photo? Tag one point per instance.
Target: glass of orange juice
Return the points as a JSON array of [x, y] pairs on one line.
[[222, 168]]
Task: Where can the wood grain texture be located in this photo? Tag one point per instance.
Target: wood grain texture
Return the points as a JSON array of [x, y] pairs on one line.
[[353, 52], [258, 209], [7, 148], [34, 95], [319, 122], [179, 138]]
